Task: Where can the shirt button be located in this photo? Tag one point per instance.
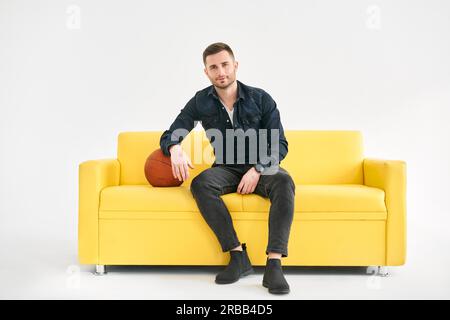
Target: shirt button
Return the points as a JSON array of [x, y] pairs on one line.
[[228, 120]]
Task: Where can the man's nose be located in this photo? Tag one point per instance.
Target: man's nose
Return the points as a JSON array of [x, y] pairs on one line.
[[221, 71]]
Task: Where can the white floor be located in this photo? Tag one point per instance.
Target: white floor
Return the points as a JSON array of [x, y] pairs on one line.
[[45, 267]]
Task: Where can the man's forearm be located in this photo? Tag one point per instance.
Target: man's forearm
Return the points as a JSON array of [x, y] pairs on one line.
[[166, 144], [271, 159], [182, 125]]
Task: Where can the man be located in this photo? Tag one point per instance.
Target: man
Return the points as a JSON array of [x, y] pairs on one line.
[[230, 106]]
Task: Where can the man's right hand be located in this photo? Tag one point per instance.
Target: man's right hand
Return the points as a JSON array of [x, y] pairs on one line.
[[180, 162]]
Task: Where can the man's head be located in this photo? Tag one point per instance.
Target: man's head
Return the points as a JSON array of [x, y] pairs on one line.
[[220, 66]]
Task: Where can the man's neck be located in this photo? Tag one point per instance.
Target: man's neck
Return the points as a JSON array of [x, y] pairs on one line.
[[228, 94]]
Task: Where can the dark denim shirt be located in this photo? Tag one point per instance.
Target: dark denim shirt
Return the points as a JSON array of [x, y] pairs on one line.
[[254, 109]]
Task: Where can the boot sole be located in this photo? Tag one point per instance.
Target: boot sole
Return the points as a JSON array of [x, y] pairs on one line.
[[245, 273], [276, 291]]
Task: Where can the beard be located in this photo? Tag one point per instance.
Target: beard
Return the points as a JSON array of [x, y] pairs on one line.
[[225, 85]]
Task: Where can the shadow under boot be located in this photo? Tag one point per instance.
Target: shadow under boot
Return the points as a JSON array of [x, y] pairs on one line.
[[274, 279], [238, 267]]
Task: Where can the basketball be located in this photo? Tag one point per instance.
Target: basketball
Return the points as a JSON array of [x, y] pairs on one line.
[[158, 170]]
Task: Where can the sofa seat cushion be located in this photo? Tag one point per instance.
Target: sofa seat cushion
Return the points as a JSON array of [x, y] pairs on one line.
[[327, 198], [148, 198], [312, 202]]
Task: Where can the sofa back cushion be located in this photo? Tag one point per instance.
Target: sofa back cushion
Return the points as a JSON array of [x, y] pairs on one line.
[[135, 147], [314, 157], [324, 157]]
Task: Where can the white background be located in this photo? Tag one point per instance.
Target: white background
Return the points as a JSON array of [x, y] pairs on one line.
[[73, 74]]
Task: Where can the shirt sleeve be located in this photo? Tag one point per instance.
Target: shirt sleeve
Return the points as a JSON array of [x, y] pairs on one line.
[[271, 120], [183, 124]]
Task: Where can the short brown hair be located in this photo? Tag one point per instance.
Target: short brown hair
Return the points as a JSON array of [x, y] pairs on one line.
[[216, 48]]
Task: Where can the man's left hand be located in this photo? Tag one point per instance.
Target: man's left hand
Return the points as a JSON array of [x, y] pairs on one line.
[[249, 181]]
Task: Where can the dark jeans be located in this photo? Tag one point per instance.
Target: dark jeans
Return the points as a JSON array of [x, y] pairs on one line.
[[213, 182]]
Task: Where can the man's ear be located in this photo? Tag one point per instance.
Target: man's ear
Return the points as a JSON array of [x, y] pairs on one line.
[[206, 72], [236, 64]]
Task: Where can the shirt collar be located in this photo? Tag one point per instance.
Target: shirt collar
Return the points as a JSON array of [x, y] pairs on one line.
[[240, 95]]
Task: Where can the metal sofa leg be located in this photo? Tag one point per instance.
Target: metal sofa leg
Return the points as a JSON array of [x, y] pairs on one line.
[[100, 270], [383, 271]]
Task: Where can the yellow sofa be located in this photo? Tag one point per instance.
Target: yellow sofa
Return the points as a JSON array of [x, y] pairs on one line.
[[349, 211]]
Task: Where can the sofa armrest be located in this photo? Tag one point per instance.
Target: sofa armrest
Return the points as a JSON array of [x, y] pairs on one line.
[[94, 175], [390, 176]]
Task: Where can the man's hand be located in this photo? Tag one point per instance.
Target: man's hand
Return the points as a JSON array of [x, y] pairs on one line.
[[249, 181], [180, 162]]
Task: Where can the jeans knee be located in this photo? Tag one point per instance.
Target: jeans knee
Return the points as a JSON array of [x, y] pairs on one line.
[[201, 183], [286, 181], [195, 184]]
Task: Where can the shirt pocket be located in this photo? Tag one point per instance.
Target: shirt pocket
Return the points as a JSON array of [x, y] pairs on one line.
[[251, 121], [210, 121]]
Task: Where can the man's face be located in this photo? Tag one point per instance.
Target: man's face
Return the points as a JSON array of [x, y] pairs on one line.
[[221, 69]]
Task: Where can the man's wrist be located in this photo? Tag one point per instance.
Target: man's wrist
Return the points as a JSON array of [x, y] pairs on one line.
[[259, 168], [171, 147]]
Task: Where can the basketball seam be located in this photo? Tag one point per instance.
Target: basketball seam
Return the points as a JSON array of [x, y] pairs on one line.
[[160, 161]]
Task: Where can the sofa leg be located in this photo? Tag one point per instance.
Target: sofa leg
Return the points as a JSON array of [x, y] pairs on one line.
[[100, 270], [383, 271]]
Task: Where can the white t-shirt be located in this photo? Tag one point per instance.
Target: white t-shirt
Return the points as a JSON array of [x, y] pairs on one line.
[[230, 113]]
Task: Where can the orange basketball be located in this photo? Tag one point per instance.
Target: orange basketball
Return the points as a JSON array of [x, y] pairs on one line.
[[158, 170]]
